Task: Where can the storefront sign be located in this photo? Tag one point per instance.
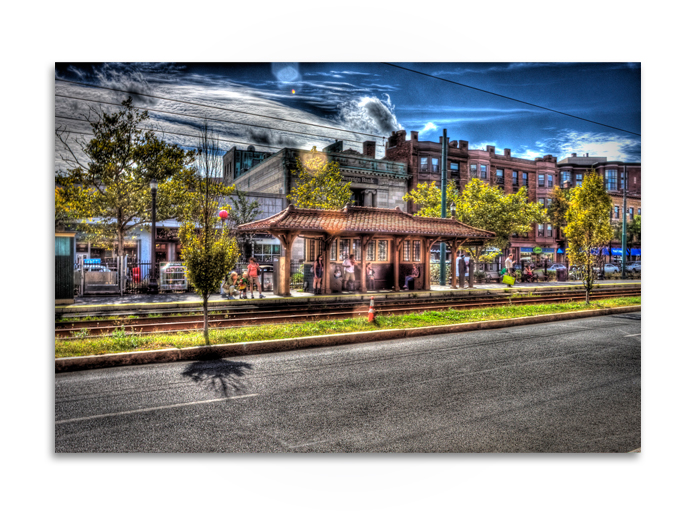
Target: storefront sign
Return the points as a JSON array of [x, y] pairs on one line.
[[537, 250], [362, 180]]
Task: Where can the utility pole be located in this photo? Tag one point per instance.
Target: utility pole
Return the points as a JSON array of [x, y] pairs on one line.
[[444, 169], [624, 225]]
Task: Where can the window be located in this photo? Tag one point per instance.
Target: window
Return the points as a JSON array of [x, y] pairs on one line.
[[639, 211], [548, 233], [541, 201], [371, 251], [541, 181], [406, 250], [435, 165], [356, 249], [423, 162], [310, 250], [611, 179], [473, 171], [631, 213], [525, 179], [499, 176], [549, 201], [455, 169], [579, 179], [621, 181], [333, 251], [550, 181], [417, 250], [565, 177], [616, 211], [382, 250], [540, 229], [344, 249], [483, 171], [515, 178]]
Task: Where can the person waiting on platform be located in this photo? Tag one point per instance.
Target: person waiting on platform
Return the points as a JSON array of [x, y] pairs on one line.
[[528, 275], [411, 278], [370, 277], [253, 277], [230, 285], [317, 274], [348, 279]]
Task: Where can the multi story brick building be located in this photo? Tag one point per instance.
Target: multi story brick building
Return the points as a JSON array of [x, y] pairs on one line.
[[539, 175]]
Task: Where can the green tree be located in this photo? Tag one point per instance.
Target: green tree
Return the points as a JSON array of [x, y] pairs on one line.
[[559, 205], [243, 211], [208, 248], [484, 207], [588, 227], [319, 184], [634, 230], [109, 178]]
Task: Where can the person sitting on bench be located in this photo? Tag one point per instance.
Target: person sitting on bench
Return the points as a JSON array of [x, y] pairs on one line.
[[411, 277]]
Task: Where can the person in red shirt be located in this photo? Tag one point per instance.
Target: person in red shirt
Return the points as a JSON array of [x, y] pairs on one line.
[[253, 277]]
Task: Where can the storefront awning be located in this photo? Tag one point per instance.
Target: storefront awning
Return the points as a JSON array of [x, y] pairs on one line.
[[630, 252]]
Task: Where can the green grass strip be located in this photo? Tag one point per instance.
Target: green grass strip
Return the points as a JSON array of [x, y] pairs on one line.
[[121, 341]]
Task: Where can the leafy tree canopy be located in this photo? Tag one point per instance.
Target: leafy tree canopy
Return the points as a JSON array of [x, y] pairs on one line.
[[588, 227], [109, 180], [319, 184], [558, 207]]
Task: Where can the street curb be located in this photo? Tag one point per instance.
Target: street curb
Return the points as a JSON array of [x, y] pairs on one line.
[[262, 347]]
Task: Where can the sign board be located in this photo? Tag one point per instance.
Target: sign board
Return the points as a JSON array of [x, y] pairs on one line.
[[363, 180], [537, 250]]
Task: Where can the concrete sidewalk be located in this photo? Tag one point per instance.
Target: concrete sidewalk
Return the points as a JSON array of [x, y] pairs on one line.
[[176, 298]]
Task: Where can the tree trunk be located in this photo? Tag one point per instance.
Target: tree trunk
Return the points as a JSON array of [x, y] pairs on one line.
[[205, 328]]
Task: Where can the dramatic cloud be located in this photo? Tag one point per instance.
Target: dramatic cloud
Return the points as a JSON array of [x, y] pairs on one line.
[[599, 144], [428, 127], [369, 114]]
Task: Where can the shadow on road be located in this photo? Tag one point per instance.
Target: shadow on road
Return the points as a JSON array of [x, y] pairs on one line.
[[218, 375]]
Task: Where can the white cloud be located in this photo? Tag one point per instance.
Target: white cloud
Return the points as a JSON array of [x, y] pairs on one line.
[[428, 127]]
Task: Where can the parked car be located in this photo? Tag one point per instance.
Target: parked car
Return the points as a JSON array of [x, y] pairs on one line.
[[96, 268], [634, 267], [609, 268], [556, 266]]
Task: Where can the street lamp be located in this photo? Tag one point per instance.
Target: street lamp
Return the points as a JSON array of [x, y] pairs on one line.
[[453, 211], [153, 287], [223, 215]]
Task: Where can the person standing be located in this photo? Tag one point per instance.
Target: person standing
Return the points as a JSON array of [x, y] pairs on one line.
[[253, 278], [317, 274], [509, 266], [370, 277], [460, 267], [349, 272]]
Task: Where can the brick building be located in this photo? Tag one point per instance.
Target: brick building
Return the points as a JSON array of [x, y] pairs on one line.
[[539, 175]]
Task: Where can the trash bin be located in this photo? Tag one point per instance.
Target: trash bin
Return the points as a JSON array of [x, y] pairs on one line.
[[267, 277], [562, 275]]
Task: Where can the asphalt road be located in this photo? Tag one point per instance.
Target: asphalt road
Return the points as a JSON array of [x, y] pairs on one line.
[[561, 387]]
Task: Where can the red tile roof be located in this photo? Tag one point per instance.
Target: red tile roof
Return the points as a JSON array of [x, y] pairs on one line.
[[369, 220]]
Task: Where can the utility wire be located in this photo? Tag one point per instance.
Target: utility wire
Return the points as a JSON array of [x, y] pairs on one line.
[[218, 107], [206, 118], [509, 98], [166, 132]]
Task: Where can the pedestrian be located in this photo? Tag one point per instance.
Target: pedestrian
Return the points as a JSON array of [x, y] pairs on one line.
[[349, 272], [253, 278], [230, 284], [509, 266], [371, 277], [410, 278], [460, 268], [243, 285], [317, 274]]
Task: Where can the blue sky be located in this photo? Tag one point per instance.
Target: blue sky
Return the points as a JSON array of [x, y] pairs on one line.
[[374, 99]]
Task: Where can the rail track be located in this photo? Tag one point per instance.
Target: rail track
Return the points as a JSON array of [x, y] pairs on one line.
[[234, 315]]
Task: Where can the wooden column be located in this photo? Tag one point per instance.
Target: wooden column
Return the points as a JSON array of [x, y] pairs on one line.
[[287, 240], [325, 284], [454, 264], [364, 242], [397, 244]]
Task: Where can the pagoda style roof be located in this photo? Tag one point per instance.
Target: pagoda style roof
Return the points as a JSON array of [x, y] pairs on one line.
[[365, 220]]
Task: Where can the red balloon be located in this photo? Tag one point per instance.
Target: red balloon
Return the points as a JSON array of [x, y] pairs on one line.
[[223, 214]]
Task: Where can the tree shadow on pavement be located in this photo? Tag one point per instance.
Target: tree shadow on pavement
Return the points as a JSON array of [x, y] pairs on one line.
[[218, 375]]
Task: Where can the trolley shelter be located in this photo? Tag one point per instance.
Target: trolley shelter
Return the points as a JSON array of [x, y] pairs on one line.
[[393, 242]]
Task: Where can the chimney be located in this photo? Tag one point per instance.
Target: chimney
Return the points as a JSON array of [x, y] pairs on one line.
[[507, 152], [414, 135], [490, 149], [369, 149], [573, 155]]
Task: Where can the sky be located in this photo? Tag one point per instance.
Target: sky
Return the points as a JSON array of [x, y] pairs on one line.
[[260, 104]]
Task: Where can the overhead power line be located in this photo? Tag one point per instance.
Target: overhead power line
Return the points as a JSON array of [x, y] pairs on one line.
[[218, 107], [207, 118], [166, 132], [509, 98]]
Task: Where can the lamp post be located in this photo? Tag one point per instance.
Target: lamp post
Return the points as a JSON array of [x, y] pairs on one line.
[[444, 160], [624, 224], [223, 215], [153, 287]]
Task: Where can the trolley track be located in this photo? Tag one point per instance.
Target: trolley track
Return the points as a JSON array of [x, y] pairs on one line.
[[245, 315]]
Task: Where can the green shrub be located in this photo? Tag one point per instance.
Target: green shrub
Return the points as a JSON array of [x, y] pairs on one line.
[[435, 270]]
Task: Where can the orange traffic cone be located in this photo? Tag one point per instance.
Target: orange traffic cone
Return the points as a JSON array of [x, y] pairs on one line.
[[372, 311]]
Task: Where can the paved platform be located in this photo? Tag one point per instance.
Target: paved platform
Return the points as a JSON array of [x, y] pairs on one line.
[[179, 298]]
